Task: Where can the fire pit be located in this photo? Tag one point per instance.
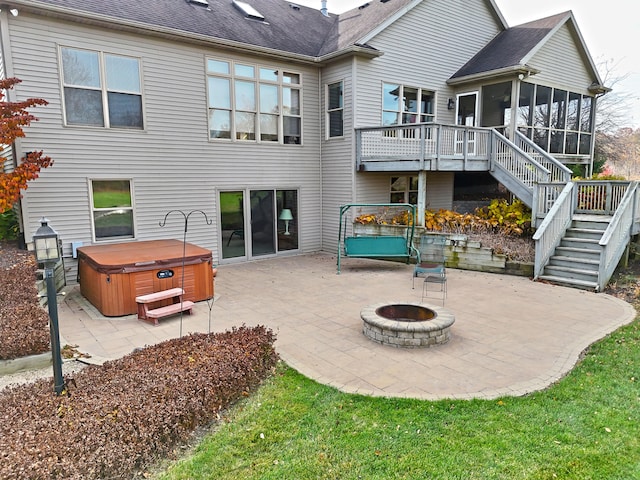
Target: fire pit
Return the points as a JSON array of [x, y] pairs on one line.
[[407, 325]]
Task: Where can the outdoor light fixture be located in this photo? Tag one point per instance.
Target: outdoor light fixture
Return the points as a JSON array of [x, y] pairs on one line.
[[287, 216], [45, 242], [451, 104], [12, 11]]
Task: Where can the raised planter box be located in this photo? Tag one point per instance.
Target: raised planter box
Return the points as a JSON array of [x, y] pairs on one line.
[[460, 252]]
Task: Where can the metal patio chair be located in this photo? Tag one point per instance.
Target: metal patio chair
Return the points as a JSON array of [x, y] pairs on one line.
[[430, 263]]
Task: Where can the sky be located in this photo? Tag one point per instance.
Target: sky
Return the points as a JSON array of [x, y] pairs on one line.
[[611, 31]]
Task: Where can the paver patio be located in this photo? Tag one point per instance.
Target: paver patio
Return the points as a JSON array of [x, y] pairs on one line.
[[511, 336]]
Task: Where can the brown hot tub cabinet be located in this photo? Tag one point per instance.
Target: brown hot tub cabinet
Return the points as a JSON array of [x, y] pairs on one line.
[[112, 276]]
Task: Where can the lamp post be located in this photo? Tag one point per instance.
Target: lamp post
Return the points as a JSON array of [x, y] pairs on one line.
[[45, 242]]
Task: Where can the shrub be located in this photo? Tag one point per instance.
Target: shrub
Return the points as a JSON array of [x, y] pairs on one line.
[[508, 218], [120, 417], [511, 219], [9, 227], [385, 216], [23, 323]]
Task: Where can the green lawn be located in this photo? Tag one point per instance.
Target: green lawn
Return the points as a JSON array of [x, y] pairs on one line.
[[585, 427]]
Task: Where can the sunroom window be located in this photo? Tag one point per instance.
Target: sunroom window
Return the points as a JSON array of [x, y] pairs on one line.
[[101, 89], [557, 120]]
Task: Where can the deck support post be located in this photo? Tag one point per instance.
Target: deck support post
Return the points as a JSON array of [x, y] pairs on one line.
[[422, 197]]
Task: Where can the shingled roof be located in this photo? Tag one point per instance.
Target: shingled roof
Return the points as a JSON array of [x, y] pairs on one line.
[[513, 47], [354, 25], [287, 27]]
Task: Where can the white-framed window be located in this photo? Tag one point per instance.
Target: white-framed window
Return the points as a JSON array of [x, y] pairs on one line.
[[253, 103], [112, 208], [403, 105], [559, 121], [404, 189], [335, 109], [101, 89]]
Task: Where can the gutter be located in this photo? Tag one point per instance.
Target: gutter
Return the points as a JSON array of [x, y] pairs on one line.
[[525, 70]]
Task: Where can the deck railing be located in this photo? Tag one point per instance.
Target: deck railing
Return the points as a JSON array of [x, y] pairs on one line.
[[553, 227], [600, 197], [591, 196], [422, 141], [616, 238], [434, 146]]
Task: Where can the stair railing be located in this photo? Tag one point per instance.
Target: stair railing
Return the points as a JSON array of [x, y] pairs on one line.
[[616, 237], [544, 197], [559, 172], [527, 170], [553, 228]]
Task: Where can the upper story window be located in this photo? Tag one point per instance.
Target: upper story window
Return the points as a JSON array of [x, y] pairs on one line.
[[557, 120], [403, 105], [101, 89], [253, 103], [112, 209], [335, 109]]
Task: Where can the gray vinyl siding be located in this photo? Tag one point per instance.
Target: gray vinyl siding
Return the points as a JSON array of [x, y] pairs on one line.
[[423, 49], [440, 190], [338, 164], [172, 164], [561, 64], [7, 165]]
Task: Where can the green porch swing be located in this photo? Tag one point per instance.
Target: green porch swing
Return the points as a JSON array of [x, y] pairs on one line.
[[376, 246]]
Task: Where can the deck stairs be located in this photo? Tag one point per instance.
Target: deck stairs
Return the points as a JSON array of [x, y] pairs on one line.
[[583, 228], [575, 262]]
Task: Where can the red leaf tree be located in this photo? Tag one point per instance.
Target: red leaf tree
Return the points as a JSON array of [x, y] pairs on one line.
[[13, 118]]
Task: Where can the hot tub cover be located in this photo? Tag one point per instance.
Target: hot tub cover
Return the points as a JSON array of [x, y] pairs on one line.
[[143, 255]]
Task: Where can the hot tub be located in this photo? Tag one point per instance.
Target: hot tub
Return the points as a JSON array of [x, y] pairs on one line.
[[112, 276]]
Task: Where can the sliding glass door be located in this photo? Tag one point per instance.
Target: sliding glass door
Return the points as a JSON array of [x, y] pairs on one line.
[[263, 240], [256, 223], [232, 226]]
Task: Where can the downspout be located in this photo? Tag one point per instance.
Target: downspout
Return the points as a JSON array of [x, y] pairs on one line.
[[320, 166], [354, 113]]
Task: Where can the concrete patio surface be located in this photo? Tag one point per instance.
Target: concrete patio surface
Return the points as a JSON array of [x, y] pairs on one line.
[[511, 336]]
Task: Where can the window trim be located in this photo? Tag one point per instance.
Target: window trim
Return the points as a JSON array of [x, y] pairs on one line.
[[92, 209], [401, 111], [285, 79], [407, 192], [529, 130], [103, 89], [330, 110]]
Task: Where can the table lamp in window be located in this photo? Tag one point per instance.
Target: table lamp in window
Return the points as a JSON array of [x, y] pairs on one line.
[[287, 216]]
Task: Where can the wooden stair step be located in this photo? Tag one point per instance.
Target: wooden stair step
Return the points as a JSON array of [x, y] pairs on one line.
[[170, 309]]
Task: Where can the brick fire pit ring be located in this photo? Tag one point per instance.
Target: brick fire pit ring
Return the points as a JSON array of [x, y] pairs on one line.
[[407, 324]]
